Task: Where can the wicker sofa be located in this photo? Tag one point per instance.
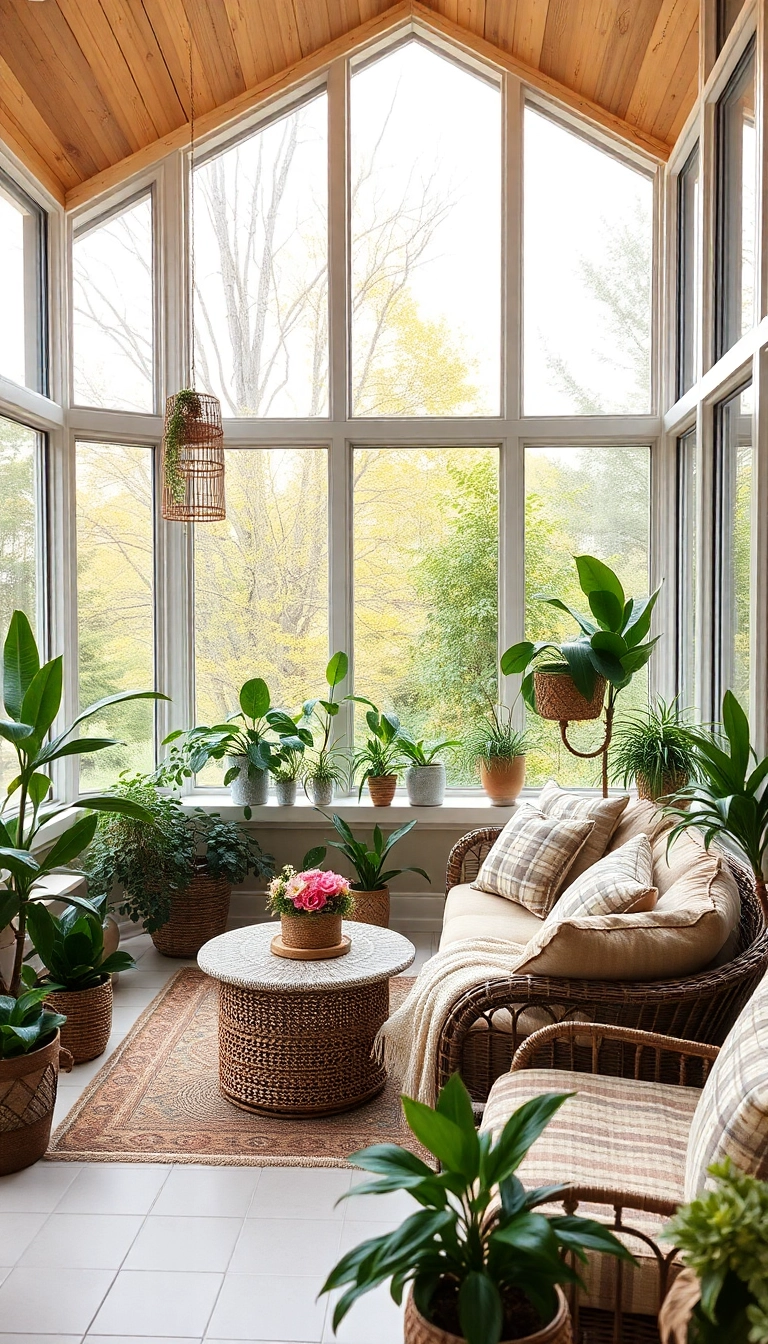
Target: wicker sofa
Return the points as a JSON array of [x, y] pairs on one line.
[[487, 1023]]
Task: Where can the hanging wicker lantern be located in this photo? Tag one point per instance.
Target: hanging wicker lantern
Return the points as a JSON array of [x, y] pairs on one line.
[[193, 458]]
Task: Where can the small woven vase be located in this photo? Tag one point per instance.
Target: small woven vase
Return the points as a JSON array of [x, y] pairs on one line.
[[371, 907], [310, 932], [382, 789], [89, 1019], [670, 785], [27, 1097], [419, 1331], [198, 913], [558, 699]]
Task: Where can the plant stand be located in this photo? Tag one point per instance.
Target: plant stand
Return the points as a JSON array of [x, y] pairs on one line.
[[602, 750]]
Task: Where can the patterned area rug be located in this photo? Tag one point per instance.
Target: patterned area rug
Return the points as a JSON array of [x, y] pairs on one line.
[[157, 1099]]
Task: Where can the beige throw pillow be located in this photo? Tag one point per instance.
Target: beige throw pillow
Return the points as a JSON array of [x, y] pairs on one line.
[[530, 859], [604, 812], [618, 884]]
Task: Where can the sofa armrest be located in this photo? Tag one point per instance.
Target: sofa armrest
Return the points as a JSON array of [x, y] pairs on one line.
[[470, 849], [597, 1033]]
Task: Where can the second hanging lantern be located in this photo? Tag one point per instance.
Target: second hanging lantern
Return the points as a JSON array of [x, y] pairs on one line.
[[193, 458]]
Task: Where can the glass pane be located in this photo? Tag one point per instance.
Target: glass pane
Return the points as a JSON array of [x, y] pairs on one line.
[[687, 527], [21, 247], [737, 163], [19, 542], [728, 12], [261, 584], [426, 237], [735, 560], [115, 602], [578, 501], [426, 592], [113, 321], [688, 273], [588, 244], [261, 269]]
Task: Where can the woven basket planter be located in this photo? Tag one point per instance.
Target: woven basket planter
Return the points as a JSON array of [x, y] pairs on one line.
[[503, 779], [419, 1331], [382, 789], [670, 784], [198, 913], [558, 698], [27, 1098], [371, 907], [310, 931], [89, 1019]]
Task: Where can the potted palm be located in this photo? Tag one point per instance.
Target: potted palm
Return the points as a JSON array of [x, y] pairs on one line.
[[379, 761], [311, 905], [425, 776], [324, 765], [497, 750], [29, 1037], [655, 750], [371, 890], [77, 974], [478, 1262]]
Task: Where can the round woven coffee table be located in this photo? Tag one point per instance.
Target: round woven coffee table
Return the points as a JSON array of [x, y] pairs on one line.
[[295, 1037]]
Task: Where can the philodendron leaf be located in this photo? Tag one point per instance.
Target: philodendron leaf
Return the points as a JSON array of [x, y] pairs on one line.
[[254, 698], [21, 663], [43, 697], [607, 609], [337, 669], [595, 576]]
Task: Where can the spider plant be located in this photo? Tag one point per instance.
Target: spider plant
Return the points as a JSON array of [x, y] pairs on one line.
[[495, 738], [656, 749]]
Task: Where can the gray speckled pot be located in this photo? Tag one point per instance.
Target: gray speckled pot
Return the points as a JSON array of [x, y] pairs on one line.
[[425, 784], [320, 791], [247, 790], [285, 792]]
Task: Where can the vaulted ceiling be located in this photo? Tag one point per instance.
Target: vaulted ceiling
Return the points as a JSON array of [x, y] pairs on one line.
[[90, 89]]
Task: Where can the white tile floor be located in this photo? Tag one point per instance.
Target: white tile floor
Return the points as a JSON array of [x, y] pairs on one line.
[[139, 1253]]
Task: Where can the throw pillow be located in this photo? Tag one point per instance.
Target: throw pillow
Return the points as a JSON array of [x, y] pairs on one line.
[[621, 883], [531, 857], [605, 812]]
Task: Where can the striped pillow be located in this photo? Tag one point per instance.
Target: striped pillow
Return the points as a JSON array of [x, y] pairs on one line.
[[531, 857], [731, 1118], [619, 884]]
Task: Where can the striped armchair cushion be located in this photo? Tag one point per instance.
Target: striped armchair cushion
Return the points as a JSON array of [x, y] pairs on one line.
[[530, 859], [731, 1119], [619, 884]]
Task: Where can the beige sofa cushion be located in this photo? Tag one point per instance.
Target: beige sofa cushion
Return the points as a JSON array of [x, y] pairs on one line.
[[605, 812], [640, 818], [618, 884], [478, 914], [529, 860]]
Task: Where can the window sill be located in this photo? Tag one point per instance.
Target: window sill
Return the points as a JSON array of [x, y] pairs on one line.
[[469, 809]]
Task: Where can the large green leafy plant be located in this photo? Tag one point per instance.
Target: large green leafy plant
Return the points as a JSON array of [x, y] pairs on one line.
[[481, 1260], [25, 1025], [71, 948], [381, 754], [369, 864], [32, 697]]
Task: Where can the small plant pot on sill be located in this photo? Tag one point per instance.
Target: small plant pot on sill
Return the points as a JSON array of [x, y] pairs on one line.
[[198, 913], [320, 791], [89, 1019], [558, 699], [503, 778], [670, 785], [310, 932], [248, 790], [285, 792], [417, 1330], [28, 1086], [382, 789], [371, 907], [425, 784]]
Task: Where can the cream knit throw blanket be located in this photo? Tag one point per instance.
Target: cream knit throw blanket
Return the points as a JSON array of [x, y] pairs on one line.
[[408, 1041]]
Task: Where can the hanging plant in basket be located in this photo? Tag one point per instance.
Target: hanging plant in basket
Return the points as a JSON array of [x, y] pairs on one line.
[[193, 458]]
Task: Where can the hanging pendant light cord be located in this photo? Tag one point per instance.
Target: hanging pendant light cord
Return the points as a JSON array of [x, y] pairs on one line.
[[191, 202]]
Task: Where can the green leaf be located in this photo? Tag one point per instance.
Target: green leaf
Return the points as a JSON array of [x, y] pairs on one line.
[[42, 930], [112, 802], [588, 1234], [637, 619], [594, 576], [480, 1311], [314, 857], [21, 663], [18, 861], [10, 903], [517, 657], [254, 698], [580, 666], [38, 787], [119, 698], [608, 666], [605, 641], [736, 725], [607, 609], [582, 621], [43, 697], [337, 669], [441, 1137], [79, 746], [455, 1103], [15, 732], [635, 659], [74, 840], [521, 1130]]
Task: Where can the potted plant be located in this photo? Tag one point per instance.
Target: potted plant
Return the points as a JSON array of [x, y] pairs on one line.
[[655, 750], [479, 1263], [728, 799], [497, 751], [286, 776], [30, 1053], [371, 890], [722, 1297], [77, 974], [252, 742], [380, 760], [311, 905], [324, 766], [425, 776]]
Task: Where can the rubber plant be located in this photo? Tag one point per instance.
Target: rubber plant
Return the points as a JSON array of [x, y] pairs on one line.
[[32, 696]]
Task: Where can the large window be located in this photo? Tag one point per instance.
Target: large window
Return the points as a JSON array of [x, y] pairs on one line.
[[736, 198], [578, 501], [21, 541], [261, 269], [426, 237], [113, 336], [23, 332], [687, 553], [733, 534], [588, 246], [115, 601], [688, 273]]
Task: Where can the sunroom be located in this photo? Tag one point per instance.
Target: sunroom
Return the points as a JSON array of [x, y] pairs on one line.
[[384, 611]]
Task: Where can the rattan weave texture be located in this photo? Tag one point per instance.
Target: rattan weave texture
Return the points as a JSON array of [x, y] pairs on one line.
[[371, 907], [558, 699], [198, 913], [419, 1331], [89, 1019], [242, 957]]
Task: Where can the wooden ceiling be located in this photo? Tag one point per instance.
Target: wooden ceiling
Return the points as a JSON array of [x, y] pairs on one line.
[[92, 89]]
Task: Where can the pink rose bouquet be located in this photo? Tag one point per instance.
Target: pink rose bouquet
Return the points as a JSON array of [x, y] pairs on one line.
[[313, 892]]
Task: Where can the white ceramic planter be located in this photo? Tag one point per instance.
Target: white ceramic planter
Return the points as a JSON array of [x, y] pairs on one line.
[[247, 790], [285, 792], [320, 791], [425, 784]]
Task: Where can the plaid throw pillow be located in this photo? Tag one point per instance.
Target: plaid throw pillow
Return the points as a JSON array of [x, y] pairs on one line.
[[605, 812], [619, 884], [529, 860]]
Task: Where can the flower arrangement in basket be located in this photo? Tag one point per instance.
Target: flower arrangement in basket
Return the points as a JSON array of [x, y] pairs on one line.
[[311, 906]]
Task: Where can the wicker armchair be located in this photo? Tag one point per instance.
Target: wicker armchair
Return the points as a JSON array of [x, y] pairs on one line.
[[479, 1040]]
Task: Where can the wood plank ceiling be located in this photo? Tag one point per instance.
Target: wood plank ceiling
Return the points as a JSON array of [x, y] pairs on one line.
[[86, 84]]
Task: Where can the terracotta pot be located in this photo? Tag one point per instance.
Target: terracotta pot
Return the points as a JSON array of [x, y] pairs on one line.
[[670, 784], [310, 931], [27, 1098], [419, 1331], [198, 913], [371, 907], [503, 778], [89, 1019], [558, 699], [382, 789]]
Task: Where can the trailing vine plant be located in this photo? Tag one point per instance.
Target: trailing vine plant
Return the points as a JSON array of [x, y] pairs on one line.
[[186, 405]]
